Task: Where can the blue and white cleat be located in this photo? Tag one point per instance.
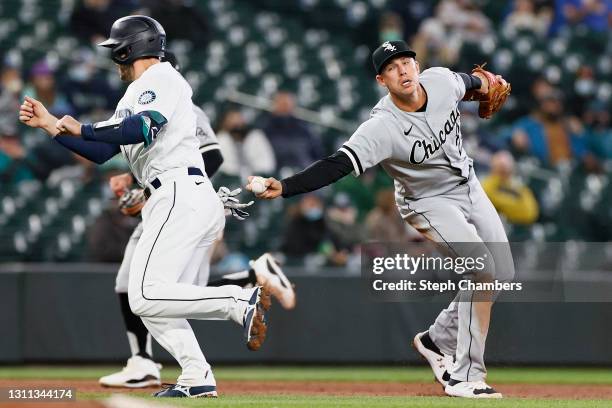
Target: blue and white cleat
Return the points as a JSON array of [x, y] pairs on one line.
[[183, 391], [255, 324]]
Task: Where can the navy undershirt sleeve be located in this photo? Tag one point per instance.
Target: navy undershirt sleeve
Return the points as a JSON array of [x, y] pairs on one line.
[[212, 161], [142, 127], [471, 81], [319, 174], [97, 152]]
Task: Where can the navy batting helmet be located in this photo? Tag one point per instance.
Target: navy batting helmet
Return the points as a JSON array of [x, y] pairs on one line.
[[134, 37]]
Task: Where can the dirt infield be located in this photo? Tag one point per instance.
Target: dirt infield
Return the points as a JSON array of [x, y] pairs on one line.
[[232, 387]]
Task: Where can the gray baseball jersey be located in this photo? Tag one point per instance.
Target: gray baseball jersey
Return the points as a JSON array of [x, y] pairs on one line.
[[438, 194], [422, 151], [204, 132]]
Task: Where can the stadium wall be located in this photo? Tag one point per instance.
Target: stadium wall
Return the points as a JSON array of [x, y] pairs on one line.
[[70, 314]]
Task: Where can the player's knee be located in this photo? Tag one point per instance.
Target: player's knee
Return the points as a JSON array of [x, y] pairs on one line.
[[138, 303]]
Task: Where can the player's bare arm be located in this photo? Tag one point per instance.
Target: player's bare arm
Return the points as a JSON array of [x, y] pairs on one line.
[[34, 114]]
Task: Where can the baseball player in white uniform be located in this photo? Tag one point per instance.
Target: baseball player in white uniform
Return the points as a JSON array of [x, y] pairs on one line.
[[154, 128], [140, 370], [414, 133]]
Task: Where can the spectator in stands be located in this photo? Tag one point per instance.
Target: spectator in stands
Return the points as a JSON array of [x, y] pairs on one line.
[[10, 91], [412, 14], [43, 88], [245, 151], [391, 27], [384, 223], [306, 231], [345, 232], [48, 155], [594, 14], [441, 37], [548, 134], [92, 19], [362, 190], [584, 90], [511, 197], [295, 146], [599, 133], [87, 87], [525, 17], [182, 19], [13, 166]]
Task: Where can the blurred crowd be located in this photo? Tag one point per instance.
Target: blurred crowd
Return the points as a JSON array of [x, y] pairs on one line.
[[566, 124]]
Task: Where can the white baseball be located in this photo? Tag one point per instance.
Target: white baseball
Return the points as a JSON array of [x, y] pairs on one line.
[[258, 185]]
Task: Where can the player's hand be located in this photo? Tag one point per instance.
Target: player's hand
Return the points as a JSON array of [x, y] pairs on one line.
[[274, 188], [68, 125], [484, 88], [120, 184], [34, 114]]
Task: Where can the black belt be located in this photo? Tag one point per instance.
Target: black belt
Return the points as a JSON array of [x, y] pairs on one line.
[[192, 171]]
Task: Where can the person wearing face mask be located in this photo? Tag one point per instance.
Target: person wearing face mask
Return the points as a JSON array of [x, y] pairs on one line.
[[10, 90], [306, 230], [599, 134], [245, 150], [391, 27], [547, 133], [295, 146]]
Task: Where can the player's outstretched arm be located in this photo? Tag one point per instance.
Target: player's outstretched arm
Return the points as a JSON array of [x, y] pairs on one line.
[[319, 174], [34, 114]]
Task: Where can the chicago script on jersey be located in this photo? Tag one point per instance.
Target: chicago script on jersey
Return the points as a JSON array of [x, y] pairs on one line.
[[423, 150]]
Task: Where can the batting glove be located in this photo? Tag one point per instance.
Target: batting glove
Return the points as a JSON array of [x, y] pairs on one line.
[[232, 204]]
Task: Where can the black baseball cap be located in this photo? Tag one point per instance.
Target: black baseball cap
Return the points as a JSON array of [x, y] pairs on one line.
[[388, 50]]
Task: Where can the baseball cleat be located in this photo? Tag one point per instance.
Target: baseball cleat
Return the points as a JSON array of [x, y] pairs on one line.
[[471, 389], [255, 324], [183, 391], [441, 364], [270, 275], [139, 372]]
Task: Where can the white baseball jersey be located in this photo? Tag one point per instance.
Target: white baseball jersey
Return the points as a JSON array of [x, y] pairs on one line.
[[161, 88], [204, 132], [422, 151]]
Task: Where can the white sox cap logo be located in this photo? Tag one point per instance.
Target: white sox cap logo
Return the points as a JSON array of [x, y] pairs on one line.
[[388, 47]]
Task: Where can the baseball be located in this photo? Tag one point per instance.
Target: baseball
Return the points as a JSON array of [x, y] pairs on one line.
[[258, 185]]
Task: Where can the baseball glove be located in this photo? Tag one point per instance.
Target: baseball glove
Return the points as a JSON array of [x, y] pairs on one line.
[[492, 101], [132, 201], [232, 204]]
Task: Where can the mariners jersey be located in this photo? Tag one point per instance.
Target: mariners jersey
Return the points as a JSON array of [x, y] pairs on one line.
[[422, 151], [161, 88], [206, 136]]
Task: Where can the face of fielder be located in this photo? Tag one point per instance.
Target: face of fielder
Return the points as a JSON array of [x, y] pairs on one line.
[[400, 76]]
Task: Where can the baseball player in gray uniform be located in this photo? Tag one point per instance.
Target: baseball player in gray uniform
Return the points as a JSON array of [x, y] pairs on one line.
[[154, 128], [414, 133], [140, 370]]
